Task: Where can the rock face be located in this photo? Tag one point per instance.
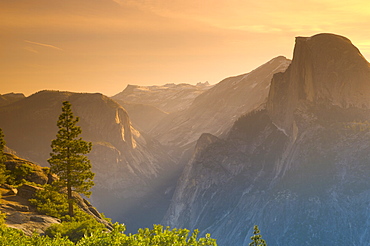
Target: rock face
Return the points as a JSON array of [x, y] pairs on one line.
[[298, 169], [22, 167], [320, 73], [143, 117], [127, 165], [215, 110]]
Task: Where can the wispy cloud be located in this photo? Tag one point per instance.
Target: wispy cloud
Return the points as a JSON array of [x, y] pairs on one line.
[[31, 50], [44, 45]]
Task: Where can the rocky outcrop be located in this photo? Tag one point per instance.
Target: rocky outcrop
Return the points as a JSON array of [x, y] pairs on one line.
[[143, 117], [326, 69], [28, 191], [24, 169], [20, 214], [298, 169]]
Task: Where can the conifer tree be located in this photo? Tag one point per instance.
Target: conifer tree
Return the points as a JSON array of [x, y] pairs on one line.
[[2, 144], [257, 238], [68, 158], [3, 175]]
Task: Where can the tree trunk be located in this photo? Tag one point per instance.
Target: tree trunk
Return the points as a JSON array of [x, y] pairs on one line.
[[70, 201]]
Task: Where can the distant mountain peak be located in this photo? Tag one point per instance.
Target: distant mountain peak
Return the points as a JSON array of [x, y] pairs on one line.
[[10, 98], [168, 97], [326, 69]]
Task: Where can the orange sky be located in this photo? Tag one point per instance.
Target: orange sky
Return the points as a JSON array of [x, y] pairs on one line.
[[103, 45]]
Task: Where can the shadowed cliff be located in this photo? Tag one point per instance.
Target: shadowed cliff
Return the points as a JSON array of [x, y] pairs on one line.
[[299, 169]]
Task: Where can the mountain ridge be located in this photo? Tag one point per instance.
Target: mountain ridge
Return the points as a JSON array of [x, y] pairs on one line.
[[321, 73], [127, 164], [215, 110], [297, 168]]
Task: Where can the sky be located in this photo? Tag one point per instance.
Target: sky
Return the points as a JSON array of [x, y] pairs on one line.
[[104, 45]]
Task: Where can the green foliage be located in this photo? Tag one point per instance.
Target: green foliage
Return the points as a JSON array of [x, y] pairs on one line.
[[257, 238], [53, 202], [3, 174], [2, 218], [2, 142], [10, 236], [75, 230], [20, 173], [50, 202], [109, 220], [68, 158], [158, 236], [148, 237]]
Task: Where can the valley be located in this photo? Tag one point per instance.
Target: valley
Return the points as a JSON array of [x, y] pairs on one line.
[[284, 146]]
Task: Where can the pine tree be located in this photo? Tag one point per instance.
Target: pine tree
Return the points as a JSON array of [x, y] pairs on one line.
[[257, 238], [2, 144], [68, 158], [3, 175]]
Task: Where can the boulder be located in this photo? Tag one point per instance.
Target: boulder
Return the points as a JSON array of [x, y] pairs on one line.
[[28, 191], [11, 190], [17, 207]]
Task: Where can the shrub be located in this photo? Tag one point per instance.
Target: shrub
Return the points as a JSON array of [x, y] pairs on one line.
[[50, 202], [14, 237], [75, 230], [2, 218]]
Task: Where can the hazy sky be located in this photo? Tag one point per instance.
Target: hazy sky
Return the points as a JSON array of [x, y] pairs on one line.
[[103, 45]]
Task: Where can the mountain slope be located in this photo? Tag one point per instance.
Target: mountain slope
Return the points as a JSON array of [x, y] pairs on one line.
[[215, 110], [169, 97], [299, 169], [129, 168], [10, 98]]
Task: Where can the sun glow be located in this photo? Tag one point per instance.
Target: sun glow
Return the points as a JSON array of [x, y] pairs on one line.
[[87, 45]]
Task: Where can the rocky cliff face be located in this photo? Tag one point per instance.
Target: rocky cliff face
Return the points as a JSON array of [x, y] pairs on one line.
[[299, 169], [127, 165], [142, 116], [326, 69], [215, 110], [14, 202]]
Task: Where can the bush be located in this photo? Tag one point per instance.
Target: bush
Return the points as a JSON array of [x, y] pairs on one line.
[[145, 237], [75, 230], [148, 237], [2, 218], [10, 236], [3, 174], [52, 202]]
